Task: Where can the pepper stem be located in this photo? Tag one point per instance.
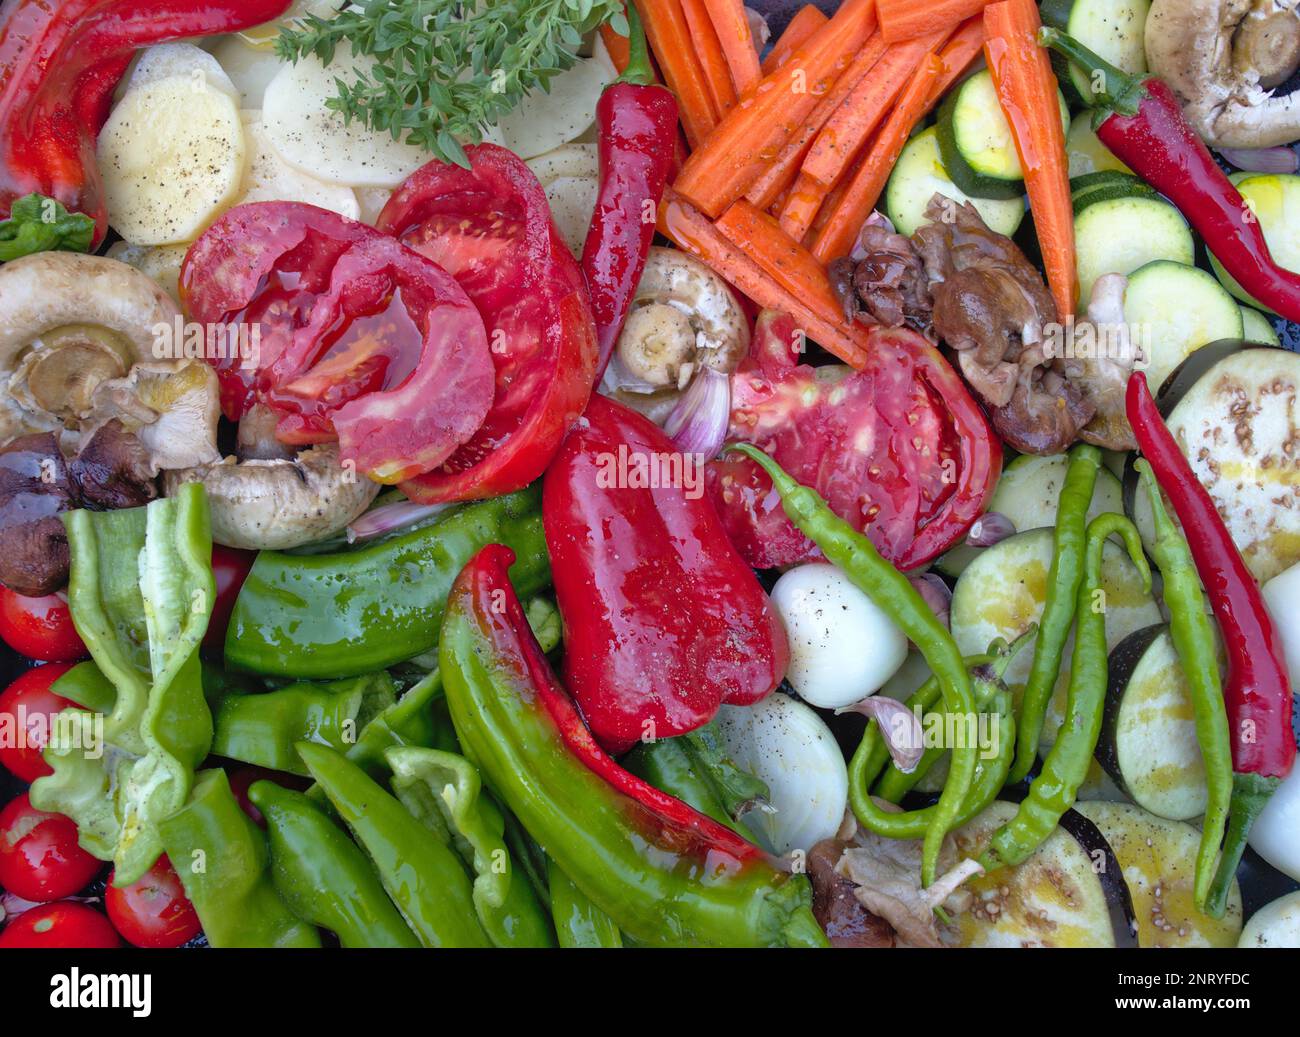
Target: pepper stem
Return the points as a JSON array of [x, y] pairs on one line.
[[638, 71], [1110, 86], [1249, 794]]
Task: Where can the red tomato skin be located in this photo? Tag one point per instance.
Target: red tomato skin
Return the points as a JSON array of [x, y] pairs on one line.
[[31, 691], [153, 912], [490, 227], [65, 924], [663, 621], [230, 568], [39, 856], [39, 628]]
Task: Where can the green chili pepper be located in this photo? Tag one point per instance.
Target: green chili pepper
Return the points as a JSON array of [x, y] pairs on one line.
[[423, 876], [262, 729], [579, 922], [1066, 766], [1058, 611], [666, 764], [340, 615], [322, 876], [858, 558], [140, 593], [442, 790], [1193, 637], [665, 874], [222, 860], [737, 790]]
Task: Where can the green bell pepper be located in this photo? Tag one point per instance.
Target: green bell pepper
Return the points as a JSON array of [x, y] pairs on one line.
[[423, 876], [263, 728], [141, 593], [222, 859], [339, 615], [322, 876], [578, 922], [442, 791]]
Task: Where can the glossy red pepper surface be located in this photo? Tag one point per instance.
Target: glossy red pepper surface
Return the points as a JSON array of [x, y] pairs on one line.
[[59, 63], [638, 137], [1146, 130], [663, 620]]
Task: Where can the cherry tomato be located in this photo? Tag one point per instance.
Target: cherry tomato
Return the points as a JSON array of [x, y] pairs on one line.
[[230, 569], [39, 628], [26, 709], [64, 924], [243, 777], [153, 912], [39, 855]]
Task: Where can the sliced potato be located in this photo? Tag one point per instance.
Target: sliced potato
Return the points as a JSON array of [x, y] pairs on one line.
[[251, 69], [543, 121], [271, 179], [572, 200], [568, 160], [318, 141], [161, 262], [172, 156], [179, 59], [1159, 861]]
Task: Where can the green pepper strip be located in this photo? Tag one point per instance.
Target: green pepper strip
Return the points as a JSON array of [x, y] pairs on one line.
[[857, 557], [1066, 766], [222, 860], [262, 729], [443, 791], [320, 617], [1193, 637], [668, 766], [1058, 611], [579, 922], [321, 874], [424, 877]]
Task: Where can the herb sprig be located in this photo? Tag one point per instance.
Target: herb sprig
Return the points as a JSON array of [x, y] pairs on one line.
[[444, 70]]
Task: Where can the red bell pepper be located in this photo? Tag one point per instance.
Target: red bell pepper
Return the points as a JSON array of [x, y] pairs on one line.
[[59, 64], [638, 134], [663, 620], [1257, 692], [490, 227], [1140, 119]]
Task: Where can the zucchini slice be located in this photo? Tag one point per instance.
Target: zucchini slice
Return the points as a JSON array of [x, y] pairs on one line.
[[1237, 424], [1275, 200], [1120, 186], [1118, 235], [1148, 739], [920, 174], [1113, 29], [1159, 860], [1027, 494], [1257, 328], [1087, 154], [1276, 924], [1175, 307], [1055, 898]]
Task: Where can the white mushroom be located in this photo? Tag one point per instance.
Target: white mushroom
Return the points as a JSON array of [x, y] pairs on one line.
[[1223, 58], [683, 317], [278, 504]]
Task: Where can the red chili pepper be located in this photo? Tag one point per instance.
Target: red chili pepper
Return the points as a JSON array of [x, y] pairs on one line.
[[59, 64], [663, 620], [1140, 119], [638, 132], [1257, 692]]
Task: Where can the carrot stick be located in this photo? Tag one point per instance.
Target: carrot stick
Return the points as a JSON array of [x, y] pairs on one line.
[[732, 26], [1027, 92], [717, 73], [724, 166], [806, 21], [670, 41], [802, 206], [618, 48], [846, 214], [778, 178], [782, 258], [863, 110], [692, 232], [907, 19]]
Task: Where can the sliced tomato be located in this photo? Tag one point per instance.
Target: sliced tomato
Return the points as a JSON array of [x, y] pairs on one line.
[[27, 708], [490, 227], [360, 339], [64, 924], [39, 628], [899, 449], [40, 858]]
